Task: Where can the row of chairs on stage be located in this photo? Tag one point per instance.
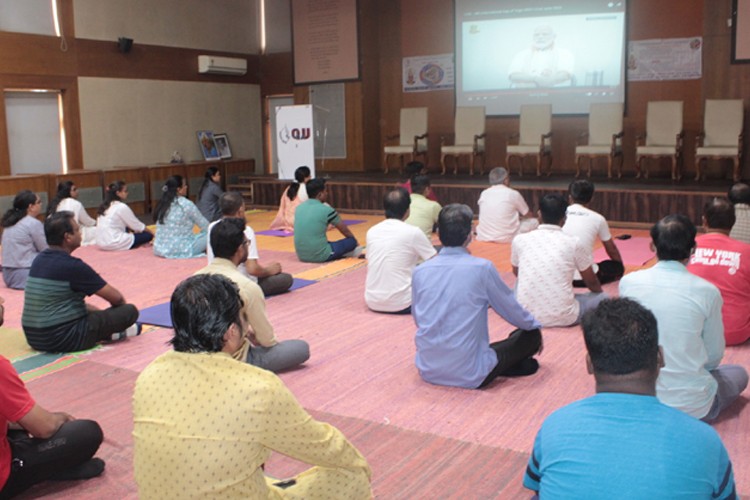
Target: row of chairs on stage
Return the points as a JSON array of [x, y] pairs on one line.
[[721, 137]]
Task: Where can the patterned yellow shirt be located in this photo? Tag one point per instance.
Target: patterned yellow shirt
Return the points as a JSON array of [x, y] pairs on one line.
[[205, 423]]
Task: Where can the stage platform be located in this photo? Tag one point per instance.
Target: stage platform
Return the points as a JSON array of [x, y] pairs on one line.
[[626, 202]]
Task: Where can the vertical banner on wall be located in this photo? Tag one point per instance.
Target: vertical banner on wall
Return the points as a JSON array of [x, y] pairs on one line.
[[294, 137]]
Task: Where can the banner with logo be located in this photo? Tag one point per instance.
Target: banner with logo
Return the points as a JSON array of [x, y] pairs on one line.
[[669, 59], [294, 139], [426, 73]]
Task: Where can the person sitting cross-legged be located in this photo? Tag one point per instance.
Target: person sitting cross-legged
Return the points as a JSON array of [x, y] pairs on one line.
[[622, 442], [56, 318], [503, 213], [423, 212], [725, 262], [588, 225], [451, 295], [205, 423], [270, 279], [311, 222], [230, 247], [394, 249], [545, 261], [691, 330]]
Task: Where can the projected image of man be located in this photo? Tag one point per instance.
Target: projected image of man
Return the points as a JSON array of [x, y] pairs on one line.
[[543, 64]]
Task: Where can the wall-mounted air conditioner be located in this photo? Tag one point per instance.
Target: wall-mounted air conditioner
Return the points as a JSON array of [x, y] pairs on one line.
[[216, 65]]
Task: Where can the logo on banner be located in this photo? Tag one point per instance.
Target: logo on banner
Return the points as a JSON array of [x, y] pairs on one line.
[[299, 134]]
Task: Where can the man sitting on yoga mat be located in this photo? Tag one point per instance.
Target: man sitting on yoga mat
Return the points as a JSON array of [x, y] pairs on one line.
[[37, 445], [230, 246], [311, 221], [205, 424], [451, 295], [588, 225], [56, 318], [269, 278]]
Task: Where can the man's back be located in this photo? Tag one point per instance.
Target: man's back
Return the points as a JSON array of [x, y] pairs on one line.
[[205, 424], [688, 312], [617, 445], [499, 210], [393, 250], [586, 224], [741, 228], [423, 213], [311, 221], [725, 262], [452, 293], [547, 259]]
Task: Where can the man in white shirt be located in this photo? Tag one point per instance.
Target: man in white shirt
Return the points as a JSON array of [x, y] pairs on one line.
[[270, 278], [503, 212], [691, 331], [394, 248], [588, 225], [739, 195], [545, 260]]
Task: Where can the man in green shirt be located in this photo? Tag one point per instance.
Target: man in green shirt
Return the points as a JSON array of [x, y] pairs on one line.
[[311, 222]]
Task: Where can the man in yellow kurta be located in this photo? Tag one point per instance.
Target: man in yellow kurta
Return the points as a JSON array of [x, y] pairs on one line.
[[206, 423]]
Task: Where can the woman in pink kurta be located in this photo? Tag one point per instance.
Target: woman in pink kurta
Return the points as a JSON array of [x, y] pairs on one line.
[[293, 195]]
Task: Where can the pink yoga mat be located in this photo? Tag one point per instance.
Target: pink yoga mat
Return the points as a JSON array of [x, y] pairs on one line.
[[635, 251]]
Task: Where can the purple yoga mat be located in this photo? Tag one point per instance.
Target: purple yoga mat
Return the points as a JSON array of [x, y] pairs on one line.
[[635, 251], [275, 232], [351, 222]]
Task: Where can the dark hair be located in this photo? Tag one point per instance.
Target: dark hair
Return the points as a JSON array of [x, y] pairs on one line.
[[111, 195], [454, 224], [168, 196], [396, 202], [419, 183], [21, 203], [63, 191], [300, 175], [203, 308], [230, 202], [552, 207], [621, 337], [227, 236], [674, 237], [413, 168], [581, 191], [315, 187], [57, 225], [719, 214], [740, 193], [210, 172]]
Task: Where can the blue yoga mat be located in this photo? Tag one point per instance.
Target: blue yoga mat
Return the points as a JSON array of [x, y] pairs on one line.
[[275, 232], [159, 314]]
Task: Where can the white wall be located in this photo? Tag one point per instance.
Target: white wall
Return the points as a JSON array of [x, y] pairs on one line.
[[140, 122], [224, 25], [278, 26]]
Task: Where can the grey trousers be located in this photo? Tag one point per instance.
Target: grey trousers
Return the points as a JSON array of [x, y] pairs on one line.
[[285, 355], [732, 381], [276, 284]]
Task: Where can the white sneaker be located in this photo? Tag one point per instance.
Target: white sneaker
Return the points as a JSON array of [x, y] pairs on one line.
[[132, 331], [354, 254]]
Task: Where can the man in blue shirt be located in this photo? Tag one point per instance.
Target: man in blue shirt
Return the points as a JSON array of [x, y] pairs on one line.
[[622, 442], [451, 294]]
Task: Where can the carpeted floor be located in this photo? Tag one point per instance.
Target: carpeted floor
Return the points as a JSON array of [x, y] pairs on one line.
[[422, 441]]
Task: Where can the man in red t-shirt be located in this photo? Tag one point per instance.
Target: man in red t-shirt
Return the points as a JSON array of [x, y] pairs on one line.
[[37, 445], [725, 262]]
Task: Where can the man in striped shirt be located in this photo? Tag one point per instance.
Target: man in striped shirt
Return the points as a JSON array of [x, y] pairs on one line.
[[56, 317]]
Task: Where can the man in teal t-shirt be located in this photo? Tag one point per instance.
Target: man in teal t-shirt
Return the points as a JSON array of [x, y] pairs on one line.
[[622, 442], [311, 221]]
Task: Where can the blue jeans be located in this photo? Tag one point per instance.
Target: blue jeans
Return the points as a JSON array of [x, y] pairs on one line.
[[340, 247]]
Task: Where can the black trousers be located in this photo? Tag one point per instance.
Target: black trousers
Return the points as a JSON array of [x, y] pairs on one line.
[[519, 345], [609, 271], [35, 460]]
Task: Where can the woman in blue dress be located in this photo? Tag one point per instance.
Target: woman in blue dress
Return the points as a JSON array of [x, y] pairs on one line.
[[175, 218]]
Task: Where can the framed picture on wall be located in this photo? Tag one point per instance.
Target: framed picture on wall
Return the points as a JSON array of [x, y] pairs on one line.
[[741, 31], [208, 145], [222, 145]]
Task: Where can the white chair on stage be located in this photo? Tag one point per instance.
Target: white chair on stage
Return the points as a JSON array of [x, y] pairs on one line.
[[721, 137], [412, 137], [534, 138], [604, 138]]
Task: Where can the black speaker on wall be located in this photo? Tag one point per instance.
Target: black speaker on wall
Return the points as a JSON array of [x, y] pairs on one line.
[[124, 44]]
